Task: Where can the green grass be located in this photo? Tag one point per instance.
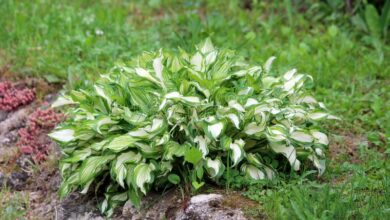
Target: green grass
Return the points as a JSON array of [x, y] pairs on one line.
[[12, 205], [348, 191], [80, 39], [310, 200]]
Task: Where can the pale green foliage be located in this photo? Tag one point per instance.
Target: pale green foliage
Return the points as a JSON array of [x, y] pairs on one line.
[[167, 116]]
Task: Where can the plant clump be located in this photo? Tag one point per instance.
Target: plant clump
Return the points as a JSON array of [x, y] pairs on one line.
[[32, 138], [166, 118], [12, 97]]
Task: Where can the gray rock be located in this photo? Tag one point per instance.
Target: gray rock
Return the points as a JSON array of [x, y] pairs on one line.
[[50, 98], [3, 115], [77, 206], [204, 199], [85, 216], [17, 180], [153, 206], [129, 211], [209, 206], [170, 206], [14, 120]]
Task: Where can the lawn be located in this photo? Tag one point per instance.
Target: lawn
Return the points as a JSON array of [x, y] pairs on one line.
[[70, 44]]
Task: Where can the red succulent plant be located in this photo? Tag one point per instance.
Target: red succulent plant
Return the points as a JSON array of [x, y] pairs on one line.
[[32, 138], [12, 97]]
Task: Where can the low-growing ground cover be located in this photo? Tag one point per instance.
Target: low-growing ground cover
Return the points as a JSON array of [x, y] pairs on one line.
[[79, 40]]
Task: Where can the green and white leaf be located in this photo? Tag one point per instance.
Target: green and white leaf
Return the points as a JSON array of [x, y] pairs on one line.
[[61, 101], [92, 167], [143, 174], [289, 152], [253, 172], [121, 143], [320, 137], [158, 69], [78, 155], [145, 74], [104, 121], [215, 129], [234, 119], [301, 136], [215, 167], [318, 163], [202, 142], [120, 168], [100, 92], [237, 151], [252, 128], [64, 135], [268, 64], [234, 104]]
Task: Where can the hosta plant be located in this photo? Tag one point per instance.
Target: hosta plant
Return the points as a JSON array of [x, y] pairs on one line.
[[168, 118]]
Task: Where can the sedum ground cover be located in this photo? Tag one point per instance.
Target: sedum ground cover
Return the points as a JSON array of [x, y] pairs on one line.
[[72, 42]]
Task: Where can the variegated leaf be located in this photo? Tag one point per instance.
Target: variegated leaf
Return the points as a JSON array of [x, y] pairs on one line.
[[61, 101], [289, 152], [237, 151], [215, 167], [64, 135], [215, 129], [202, 142], [143, 174], [253, 172], [121, 143], [301, 137]]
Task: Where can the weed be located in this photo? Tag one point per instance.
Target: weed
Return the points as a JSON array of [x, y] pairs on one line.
[[13, 205]]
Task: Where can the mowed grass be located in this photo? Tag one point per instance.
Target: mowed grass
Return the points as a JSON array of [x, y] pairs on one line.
[[75, 41]]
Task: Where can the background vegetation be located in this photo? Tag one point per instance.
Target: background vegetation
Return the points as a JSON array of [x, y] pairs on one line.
[[344, 47]]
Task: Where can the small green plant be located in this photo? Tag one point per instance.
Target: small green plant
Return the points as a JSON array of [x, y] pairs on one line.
[[13, 205], [167, 117], [374, 22]]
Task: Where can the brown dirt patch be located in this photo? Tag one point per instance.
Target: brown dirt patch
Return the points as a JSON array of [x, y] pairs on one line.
[[251, 209], [235, 200], [37, 184], [345, 147]]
